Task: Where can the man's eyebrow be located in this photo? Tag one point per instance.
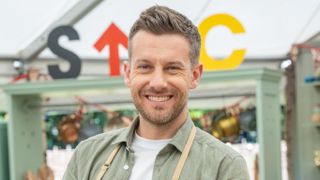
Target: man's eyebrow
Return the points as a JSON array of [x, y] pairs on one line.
[[141, 61], [177, 63]]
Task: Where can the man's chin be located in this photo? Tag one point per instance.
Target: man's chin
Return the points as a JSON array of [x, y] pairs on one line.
[[158, 119], [159, 122]]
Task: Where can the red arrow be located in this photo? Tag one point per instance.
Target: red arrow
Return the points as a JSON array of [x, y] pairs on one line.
[[113, 36]]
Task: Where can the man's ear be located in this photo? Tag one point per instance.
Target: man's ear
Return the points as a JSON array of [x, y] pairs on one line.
[[126, 68], [196, 75]]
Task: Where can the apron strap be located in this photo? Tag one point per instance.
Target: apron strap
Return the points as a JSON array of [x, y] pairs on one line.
[[108, 162], [178, 169], [184, 154]]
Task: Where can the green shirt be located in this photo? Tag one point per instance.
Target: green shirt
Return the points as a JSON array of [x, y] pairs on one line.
[[208, 158]]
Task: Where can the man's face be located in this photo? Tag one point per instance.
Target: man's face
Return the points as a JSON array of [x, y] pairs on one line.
[[160, 75]]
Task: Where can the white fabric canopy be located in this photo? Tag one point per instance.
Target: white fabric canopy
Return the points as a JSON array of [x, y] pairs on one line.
[[271, 27]]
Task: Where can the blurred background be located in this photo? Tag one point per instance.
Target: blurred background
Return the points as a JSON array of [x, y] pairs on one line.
[[61, 80]]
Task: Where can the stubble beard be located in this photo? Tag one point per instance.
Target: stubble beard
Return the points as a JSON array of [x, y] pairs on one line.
[[163, 119]]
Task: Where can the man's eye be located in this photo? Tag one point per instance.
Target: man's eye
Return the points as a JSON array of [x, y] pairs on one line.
[[173, 68], [144, 67]]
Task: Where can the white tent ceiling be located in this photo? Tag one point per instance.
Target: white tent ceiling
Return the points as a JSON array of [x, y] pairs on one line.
[[271, 26]]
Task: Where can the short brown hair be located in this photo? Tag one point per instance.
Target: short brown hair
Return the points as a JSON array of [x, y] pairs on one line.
[[160, 20]]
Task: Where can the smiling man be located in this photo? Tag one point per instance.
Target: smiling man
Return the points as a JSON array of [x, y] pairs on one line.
[[162, 143]]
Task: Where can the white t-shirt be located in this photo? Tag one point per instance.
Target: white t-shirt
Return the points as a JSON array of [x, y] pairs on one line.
[[145, 152]]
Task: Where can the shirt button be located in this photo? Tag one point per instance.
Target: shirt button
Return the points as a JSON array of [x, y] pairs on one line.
[[126, 167]]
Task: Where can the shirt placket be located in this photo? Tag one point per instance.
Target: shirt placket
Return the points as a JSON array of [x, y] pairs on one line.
[[128, 165]]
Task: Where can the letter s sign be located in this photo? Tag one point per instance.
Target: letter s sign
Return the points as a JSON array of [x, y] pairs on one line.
[[237, 56], [72, 58]]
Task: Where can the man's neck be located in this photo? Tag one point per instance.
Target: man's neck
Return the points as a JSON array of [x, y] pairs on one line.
[[151, 131]]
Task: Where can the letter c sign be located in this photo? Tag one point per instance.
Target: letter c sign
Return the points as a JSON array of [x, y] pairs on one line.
[[237, 56]]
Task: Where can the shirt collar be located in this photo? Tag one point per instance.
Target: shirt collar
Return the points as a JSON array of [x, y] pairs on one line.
[[128, 133], [178, 140]]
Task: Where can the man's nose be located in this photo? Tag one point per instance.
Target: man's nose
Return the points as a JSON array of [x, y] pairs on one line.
[[158, 80]]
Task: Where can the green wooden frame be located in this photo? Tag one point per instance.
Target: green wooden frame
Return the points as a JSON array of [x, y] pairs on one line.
[[24, 128], [306, 134], [4, 160]]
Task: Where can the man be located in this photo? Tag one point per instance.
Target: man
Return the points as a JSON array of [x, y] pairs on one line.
[[162, 142]]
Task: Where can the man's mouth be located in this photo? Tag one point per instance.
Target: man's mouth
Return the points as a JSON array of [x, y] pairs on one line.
[[159, 98]]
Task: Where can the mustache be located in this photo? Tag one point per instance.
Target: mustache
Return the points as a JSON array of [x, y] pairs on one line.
[[157, 91]]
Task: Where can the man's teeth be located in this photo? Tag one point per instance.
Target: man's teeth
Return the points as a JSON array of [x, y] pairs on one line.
[[159, 98]]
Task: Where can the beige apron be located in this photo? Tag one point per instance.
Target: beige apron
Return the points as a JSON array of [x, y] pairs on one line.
[[179, 167]]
